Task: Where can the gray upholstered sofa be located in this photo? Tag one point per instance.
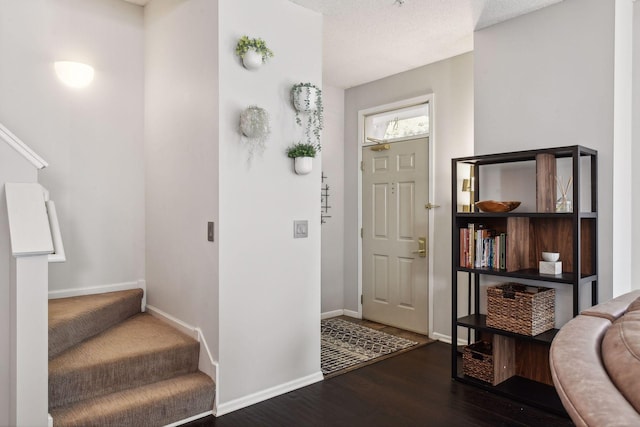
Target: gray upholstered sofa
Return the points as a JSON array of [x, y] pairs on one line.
[[595, 364]]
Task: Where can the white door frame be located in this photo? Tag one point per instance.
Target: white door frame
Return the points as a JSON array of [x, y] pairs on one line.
[[432, 141]]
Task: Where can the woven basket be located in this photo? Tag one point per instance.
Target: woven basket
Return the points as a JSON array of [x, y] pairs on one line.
[[477, 361], [526, 310]]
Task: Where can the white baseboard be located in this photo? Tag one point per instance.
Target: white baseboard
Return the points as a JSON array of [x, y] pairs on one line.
[[50, 420], [173, 321], [205, 360], [334, 313], [102, 289], [353, 314], [446, 338], [188, 420], [243, 402]]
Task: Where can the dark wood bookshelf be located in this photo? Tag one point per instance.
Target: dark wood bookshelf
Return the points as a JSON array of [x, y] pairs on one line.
[[573, 234]]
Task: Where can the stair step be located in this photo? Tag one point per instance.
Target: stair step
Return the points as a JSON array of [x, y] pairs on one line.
[[73, 320], [156, 404], [138, 351]]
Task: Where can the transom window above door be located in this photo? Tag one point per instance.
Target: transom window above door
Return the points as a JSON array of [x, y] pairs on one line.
[[397, 125]]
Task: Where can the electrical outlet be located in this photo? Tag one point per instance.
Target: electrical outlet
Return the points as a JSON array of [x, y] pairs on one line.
[[300, 229]]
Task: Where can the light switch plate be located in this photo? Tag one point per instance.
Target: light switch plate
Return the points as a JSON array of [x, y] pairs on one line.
[[300, 229], [210, 232]]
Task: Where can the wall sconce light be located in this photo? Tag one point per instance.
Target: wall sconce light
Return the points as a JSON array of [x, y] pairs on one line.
[[74, 74]]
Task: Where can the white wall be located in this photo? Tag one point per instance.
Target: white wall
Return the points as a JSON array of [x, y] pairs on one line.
[[181, 151], [333, 228], [92, 138], [451, 82], [635, 154], [622, 149], [547, 79], [13, 168], [269, 282]]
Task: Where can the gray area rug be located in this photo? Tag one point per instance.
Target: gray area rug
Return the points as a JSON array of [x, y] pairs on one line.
[[345, 344]]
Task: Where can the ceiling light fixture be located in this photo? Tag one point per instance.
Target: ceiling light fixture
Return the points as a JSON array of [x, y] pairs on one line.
[[74, 74]]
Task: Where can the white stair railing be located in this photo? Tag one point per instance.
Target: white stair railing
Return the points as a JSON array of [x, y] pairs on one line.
[[22, 148]]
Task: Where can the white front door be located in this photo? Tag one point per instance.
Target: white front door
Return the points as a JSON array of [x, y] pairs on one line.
[[394, 218]]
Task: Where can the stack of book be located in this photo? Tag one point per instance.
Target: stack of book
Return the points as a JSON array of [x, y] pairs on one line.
[[482, 248]]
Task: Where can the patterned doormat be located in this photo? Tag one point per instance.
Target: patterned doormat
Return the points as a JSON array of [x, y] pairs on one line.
[[345, 344]]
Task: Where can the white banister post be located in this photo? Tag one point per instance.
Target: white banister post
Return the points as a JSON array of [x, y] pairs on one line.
[[29, 341], [31, 245]]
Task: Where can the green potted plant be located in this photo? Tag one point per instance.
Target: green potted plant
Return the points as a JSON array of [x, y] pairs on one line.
[[303, 155], [307, 101], [253, 52]]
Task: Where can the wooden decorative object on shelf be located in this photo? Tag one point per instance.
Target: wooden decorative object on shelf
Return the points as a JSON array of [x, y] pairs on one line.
[[495, 206], [545, 182]]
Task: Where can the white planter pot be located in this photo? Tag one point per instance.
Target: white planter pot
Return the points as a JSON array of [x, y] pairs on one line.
[[252, 60], [304, 98], [303, 165]]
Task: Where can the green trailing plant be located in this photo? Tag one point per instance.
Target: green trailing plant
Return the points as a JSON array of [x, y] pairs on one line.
[[309, 112], [301, 150], [259, 45]]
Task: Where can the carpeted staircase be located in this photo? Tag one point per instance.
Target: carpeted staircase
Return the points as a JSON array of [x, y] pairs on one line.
[[111, 365]]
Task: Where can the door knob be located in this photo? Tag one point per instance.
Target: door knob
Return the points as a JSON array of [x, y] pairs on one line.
[[422, 247]]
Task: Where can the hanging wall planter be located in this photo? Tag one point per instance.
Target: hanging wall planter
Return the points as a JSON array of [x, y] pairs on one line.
[[254, 125], [306, 98], [303, 165], [252, 60], [307, 101], [303, 155], [253, 52]]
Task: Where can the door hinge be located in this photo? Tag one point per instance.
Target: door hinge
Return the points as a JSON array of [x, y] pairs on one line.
[[361, 299], [361, 232], [362, 166]]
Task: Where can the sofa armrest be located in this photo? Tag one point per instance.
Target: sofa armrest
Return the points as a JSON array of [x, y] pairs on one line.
[[614, 308], [584, 387]]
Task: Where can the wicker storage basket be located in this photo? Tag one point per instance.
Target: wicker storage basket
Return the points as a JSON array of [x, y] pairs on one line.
[[526, 310], [477, 361]]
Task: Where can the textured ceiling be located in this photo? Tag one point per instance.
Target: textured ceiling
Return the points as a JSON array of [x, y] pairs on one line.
[[365, 40]]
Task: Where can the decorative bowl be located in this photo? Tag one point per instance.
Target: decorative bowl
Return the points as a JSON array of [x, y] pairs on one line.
[[495, 206], [550, 256]]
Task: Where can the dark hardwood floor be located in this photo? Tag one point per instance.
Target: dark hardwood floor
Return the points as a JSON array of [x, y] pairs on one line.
[[411, 389]]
